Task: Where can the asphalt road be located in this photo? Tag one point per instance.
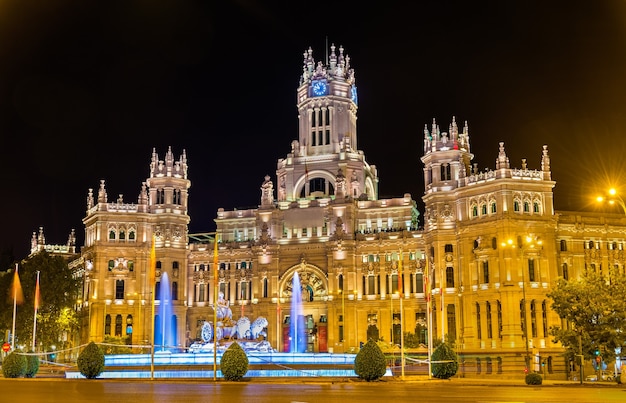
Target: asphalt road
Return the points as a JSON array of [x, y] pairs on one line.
[[248, 391]]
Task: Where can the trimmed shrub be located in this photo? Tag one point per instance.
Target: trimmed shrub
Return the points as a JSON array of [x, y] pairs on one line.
[[369, 363], [14, 365], [533, 379], [32, 365], [444, 370], [91, 361], [234, 363]]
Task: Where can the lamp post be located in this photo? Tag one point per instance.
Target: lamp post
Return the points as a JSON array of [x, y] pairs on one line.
[[391, 319], [612, 198]]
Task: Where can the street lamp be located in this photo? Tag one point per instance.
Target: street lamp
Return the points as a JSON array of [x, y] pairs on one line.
[[612, 198]]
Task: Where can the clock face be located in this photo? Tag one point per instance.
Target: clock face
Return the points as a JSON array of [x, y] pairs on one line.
[[353, 94], [319, 88]]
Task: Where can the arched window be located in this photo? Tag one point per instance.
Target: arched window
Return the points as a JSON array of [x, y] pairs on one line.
[[516, 205], [107, 325], [118, 326]]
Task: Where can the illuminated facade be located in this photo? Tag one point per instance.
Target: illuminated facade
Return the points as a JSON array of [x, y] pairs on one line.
[[488, 250]]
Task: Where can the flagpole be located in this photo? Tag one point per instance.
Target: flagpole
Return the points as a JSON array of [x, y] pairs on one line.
[[428, 317], [215, 291], [36, 308], [401, 289], [151, 279], [14, 307], [441, 283]]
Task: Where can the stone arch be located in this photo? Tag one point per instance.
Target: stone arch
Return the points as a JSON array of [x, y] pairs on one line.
[[312, 279], [318, 173]]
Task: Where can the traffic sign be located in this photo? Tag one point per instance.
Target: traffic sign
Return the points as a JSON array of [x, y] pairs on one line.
[[6, 347]]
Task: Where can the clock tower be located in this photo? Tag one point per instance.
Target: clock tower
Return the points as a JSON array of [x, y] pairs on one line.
[[325, 161]]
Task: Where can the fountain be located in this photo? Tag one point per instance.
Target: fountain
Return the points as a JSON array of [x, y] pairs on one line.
[[297, 335], [264, 361], [165, 321]]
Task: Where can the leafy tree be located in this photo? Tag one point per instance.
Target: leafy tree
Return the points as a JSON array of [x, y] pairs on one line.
[[91, 361], [369, 363], [595, 310], [444, 370], [234, 363], [59, 291]]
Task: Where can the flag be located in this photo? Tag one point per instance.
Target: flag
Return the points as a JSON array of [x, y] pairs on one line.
[[152, 274], [16, 289], [37, 297]]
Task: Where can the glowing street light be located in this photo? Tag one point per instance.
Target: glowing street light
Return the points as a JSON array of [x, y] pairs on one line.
[[612, 198]]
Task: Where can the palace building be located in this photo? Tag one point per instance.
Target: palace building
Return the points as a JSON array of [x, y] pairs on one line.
[[475, 268]]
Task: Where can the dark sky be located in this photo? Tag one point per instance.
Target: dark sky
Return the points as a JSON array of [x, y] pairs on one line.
[[88, 88]]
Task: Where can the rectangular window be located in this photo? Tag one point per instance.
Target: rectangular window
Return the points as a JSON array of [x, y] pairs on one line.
[[450, 277], [479, 332], [489, 324], [201, 291], [486, 271], [119, 289], [531, 270]]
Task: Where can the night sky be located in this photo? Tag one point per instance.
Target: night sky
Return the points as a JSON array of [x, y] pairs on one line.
[[88, 88]]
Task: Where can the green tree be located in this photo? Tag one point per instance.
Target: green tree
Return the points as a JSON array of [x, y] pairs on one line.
[[595, 310], [59, 290]]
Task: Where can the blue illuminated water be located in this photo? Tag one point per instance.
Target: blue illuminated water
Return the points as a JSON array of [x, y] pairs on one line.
[[297, 330], [164, 329], [189, 365]]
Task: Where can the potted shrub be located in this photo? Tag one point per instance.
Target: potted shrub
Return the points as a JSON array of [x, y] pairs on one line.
[[444, 370], [533, 379], [91, 361], [32, 365], [369, 363], [14, 365], [234, 363]]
